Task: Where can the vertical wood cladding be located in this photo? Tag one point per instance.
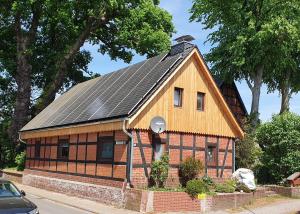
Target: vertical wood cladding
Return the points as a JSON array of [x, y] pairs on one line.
[[180, 146], [82, 159]]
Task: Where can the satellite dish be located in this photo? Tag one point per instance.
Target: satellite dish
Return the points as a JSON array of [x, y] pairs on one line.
[[158, 124]]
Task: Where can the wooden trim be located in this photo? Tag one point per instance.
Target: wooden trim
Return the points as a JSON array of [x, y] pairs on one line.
[[194, 146], [181, 145], [142, 154], [206, 141], [225, 157], [217, 156], [74, 129], [233, 155]]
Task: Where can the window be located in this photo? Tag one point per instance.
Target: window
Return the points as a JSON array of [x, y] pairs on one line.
[[63, 149], [178, 94], [37, 150], [105, 149], [211, 155], [200, 101]]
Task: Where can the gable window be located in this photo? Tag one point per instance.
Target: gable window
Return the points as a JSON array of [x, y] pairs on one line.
[[211, 155], [105, 149], [200, 101], [37, 149], [178, 94], [63, 149]]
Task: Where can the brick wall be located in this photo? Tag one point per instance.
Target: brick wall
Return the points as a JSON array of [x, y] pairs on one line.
[[293, 192], [179, 146], [14, 176]]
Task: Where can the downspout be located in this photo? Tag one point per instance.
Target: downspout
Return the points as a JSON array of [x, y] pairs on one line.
[[20, 139], [233, 153], [130, 159]]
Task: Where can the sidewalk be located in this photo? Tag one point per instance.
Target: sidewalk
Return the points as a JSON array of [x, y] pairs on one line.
[[79, 203]]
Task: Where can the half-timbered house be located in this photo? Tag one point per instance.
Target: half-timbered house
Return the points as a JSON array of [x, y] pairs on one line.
[[98, 131]]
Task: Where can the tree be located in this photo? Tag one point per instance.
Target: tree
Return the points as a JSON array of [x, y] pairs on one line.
[[280, 142], [242, 49], [40, 43]]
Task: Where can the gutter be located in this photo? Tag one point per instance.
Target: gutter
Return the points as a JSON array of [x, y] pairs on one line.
[[129, 153]]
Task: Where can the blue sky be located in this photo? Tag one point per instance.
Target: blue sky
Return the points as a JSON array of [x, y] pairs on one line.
[[270, 103]]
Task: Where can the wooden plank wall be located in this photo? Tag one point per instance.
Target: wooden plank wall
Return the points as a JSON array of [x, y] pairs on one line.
[[211, 121]]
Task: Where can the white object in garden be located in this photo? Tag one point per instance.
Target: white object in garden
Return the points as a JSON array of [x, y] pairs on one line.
[[245, 176]]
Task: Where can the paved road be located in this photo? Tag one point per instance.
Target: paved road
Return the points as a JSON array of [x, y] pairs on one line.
[[50, 207]]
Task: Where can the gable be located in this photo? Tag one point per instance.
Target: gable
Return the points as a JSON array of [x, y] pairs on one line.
[[193, 77]]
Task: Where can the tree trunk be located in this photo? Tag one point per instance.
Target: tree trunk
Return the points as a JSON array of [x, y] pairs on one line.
[[23, 80], [255, 90], [285, 93]]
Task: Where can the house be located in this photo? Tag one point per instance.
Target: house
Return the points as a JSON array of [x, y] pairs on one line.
[[99, 131]]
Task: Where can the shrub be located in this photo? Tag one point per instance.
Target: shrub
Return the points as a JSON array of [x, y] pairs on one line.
[[247, 151], [227, 187], [208, 180], [159, 171], [189, 169], [280, 142], [196, 186], [20, 161]]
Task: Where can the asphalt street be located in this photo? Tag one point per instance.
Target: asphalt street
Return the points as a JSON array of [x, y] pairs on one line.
[[50, 207]]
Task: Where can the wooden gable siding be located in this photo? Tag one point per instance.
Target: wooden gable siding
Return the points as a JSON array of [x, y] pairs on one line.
[[76, 129], [191, 78]]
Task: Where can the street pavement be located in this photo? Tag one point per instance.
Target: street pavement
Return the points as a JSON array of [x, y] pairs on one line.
[[47, 206]]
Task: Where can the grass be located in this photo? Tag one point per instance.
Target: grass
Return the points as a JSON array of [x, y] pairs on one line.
[[11, 168]]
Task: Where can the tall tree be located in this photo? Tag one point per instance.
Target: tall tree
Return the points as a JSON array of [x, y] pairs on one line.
[[41, 42], [241, 48]]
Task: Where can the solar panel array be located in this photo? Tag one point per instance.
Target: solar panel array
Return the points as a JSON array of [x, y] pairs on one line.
[[109, 96]]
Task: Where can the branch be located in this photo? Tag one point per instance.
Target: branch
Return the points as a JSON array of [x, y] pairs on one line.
[[34, 23], [249, 84]]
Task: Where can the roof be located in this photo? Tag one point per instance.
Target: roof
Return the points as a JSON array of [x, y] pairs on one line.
[[293, 176], [114, 95]]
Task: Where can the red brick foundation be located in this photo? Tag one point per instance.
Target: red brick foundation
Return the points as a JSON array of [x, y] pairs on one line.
[[104, 194]]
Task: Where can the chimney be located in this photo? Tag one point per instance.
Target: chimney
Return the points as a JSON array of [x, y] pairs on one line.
[[183, 43]]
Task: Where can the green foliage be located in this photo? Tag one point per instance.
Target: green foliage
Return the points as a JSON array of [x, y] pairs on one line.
[[196, 186], [247, 151], [280, 142], [20, 161], [228, 187], [53, 36], [209, 181], [260, 39], [159, 171], [189, 169]]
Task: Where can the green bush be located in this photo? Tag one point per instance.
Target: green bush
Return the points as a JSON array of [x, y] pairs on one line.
[[196, 186], [280, 142], [189, 169], [159, 171], [20, 161], [228, 187], [209, 181], [247, 151]]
